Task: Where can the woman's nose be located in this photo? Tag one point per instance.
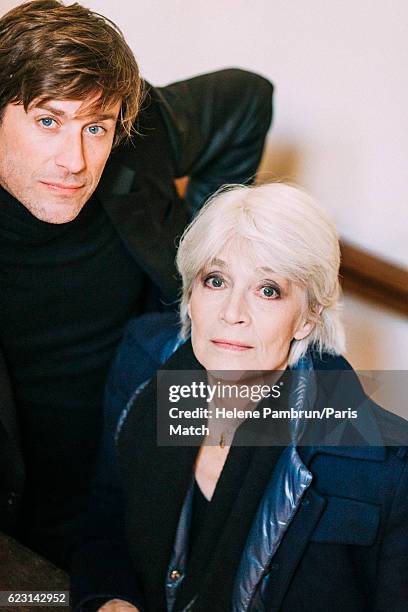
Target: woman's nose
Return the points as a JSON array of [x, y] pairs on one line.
[[234, 310]]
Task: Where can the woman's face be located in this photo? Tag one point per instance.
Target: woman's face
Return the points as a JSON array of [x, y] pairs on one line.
[[244, 316]]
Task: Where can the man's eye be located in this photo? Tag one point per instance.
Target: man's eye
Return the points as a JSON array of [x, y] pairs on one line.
[[96, 130], [269, 292], [47, 122], [214, 282]]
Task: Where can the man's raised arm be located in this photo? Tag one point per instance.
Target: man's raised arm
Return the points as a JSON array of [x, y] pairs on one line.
[[217, 124]]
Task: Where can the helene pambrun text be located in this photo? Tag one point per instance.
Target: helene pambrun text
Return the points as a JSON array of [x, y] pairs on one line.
[[227, 392]]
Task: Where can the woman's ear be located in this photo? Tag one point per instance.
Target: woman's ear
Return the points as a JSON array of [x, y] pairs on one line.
[[188, 309], [304, 329], [306, 326]]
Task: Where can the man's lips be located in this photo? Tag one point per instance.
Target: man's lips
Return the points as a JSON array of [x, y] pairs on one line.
[[62, 188], [231, 345]]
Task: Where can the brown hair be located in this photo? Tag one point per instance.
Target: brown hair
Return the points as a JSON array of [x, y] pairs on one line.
[[51, 51]]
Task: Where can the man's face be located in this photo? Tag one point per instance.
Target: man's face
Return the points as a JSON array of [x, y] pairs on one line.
[[53, 155]]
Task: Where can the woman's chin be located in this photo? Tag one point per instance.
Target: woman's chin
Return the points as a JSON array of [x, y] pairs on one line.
[[229, 367]]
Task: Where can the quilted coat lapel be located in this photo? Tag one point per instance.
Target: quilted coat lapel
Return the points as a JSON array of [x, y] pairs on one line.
[[292, 548]]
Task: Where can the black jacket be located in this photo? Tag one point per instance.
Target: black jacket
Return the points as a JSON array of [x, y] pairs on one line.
[[210, 128]]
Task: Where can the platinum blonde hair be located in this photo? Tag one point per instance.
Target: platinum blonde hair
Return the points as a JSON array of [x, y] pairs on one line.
[[289, 232]]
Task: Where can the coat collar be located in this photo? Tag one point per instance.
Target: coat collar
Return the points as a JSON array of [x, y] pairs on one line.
[[135, 216], [330, 381], [138, 193]]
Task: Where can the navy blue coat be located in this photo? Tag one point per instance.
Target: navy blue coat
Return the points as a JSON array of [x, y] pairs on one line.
[[342, 543]]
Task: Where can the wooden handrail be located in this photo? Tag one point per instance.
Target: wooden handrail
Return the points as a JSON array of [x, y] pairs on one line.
[[373, 277]]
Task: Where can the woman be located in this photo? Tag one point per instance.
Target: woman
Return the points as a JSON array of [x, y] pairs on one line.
[[225, 526]]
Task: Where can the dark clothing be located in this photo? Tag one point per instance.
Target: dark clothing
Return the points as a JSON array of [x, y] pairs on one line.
[[216, 547], [200, 508], [60, 340], [211, 128], [344, 547]]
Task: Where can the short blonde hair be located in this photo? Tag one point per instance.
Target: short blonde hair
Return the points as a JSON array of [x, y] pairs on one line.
[[291, 233]]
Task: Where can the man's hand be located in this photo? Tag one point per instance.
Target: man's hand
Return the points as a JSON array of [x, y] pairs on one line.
[[118, 605]]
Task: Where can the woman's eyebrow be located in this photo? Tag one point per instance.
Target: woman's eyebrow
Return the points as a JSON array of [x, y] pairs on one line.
[[266, 269], [220, 263], [284, 283]]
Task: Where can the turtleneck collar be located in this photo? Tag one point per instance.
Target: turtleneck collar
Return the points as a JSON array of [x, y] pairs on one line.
[[17, 223]]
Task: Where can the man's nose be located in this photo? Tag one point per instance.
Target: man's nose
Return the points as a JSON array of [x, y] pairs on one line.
[[70, 154], [235, 308]]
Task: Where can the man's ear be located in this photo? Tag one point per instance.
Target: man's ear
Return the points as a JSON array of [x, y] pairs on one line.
[[307, 325]]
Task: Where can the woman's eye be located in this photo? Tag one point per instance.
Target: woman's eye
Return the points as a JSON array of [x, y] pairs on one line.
[[269, 292], [214, 282], [47, 122]]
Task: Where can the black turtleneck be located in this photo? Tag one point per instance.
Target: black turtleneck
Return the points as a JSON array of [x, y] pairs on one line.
[[66, 292]]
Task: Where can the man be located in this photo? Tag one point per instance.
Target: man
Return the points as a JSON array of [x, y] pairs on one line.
[[89, 216]]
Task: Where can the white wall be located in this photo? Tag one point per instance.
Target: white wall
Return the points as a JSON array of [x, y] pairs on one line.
[[377, 338]]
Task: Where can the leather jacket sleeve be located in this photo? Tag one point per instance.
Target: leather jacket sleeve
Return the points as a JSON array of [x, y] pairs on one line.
[[217, 125]]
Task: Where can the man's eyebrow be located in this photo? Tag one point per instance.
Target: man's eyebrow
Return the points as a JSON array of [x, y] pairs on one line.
[[60, 113]]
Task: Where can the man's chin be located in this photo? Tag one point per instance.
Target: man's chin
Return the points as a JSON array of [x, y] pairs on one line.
[[56, 213]]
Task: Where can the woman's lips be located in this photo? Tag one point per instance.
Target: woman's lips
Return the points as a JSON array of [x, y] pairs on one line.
[[231, 345]]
